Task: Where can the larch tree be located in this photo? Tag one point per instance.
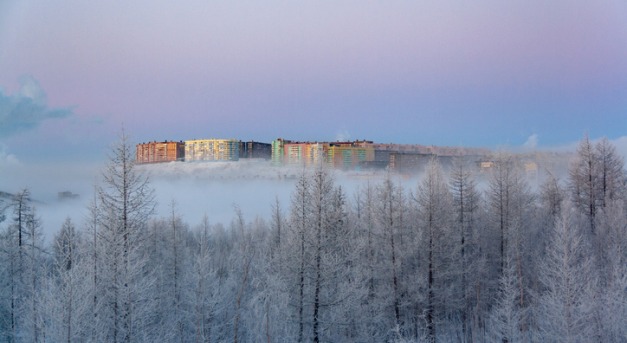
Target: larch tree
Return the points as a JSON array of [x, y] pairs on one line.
[[246, 253], [434, 201], [68, 293], [511, 206], [388, 231], [126, 201], [506, 315], [22, 247], [610, 252], [374, 311], [320, 205], [551, 198], [610, 172], [169, 262], [298, 236], [203, 285], [465, 204], [583, 181], [566, 303]]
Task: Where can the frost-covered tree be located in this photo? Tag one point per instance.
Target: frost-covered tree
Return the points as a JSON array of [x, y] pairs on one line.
[[246, 253], [298, 235], [34, 276], [268, 304], [126, 201], [434, 202], [387, 215], [506, 188], [610, 252], [583, 181], [323, 224], [170, 264], [565, 305], [465, 206], [203, 286], [67, 294], [505, 320], [610, 173], [22, 253], [374, 316]]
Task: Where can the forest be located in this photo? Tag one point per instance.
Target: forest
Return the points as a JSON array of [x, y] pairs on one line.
[[446, 260]]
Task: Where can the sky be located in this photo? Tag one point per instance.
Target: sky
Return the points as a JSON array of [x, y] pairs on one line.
[[521, 74], [487, 73]]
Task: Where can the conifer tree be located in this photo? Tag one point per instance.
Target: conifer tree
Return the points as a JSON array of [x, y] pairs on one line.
[[126, 201]]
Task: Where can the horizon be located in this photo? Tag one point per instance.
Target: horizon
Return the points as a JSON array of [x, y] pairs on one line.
[[522, 74]]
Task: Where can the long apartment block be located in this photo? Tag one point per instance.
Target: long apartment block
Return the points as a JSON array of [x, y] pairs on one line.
[[212, 150]]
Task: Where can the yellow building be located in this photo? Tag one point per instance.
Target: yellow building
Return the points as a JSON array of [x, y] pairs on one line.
[[343, 155], [212, 150], [349, 155]]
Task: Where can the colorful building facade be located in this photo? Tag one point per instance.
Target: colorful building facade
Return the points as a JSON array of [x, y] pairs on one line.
[[212, 150], [254, 149], [154, 152], [342, 155], [350, 155]]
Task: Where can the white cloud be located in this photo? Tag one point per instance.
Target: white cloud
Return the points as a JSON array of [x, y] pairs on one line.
[[621, 146], [27, 109], [7, 159], [342, 136], [531, 142]]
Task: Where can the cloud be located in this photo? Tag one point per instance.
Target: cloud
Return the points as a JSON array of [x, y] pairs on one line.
[[27, 109], [621, 147], [531, 142], [6, 158], [342, 136]]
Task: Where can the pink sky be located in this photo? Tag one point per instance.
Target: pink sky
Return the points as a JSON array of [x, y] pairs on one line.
[[487, 73]]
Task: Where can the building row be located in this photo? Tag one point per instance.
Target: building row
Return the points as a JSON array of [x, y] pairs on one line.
[[342, 155], [201, 150], [347, 155]]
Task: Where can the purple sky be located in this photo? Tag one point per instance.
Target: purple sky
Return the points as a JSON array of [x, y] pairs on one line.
[[486, 73]]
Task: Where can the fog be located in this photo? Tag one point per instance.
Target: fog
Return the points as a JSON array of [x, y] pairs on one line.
[[211, 188], [197, 189], [217, 188], [45, 181]]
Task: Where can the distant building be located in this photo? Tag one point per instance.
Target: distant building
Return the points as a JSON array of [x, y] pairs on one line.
[[350, 155], [287, 152], [67, 195], [255, 150], [154, 152], [342, 155], [212, 150]]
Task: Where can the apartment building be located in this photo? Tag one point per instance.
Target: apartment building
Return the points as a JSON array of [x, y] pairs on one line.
[[154, 152], [212, 150]]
